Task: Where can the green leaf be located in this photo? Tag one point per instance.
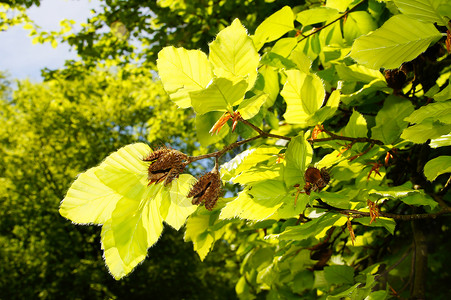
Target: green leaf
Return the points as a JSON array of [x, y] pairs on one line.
[[439, 111], [178, 206], [183, 71], [221, 95], [304, 95], [136, 226], [198, 231], [418, 199], [387, 223], [92, 198], [444, 94], [400, 39], [390, 119], [297, 158], [316, 15], [427, 129], [422, 10], [394, 191], [328, 110], [302, 61], [340, 274], [358, 73], [437, 166], [233, 54], [356, 126], [204, 123], [442, 141], [336, 199], [270, 81], [274, 27], [88, 200], [358, 23], [133, 227], [340, 5], [309, 229], [256, 202], [250, 107], [248, 159]]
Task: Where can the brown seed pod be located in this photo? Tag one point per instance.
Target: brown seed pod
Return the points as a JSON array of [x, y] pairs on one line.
[[315, 179], [166, 165], [206, 190]]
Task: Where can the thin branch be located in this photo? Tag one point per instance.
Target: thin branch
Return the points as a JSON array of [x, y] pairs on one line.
[[359, 214], [394, 265], [334, 136], [220, 153], [262, 133], [336, 20]]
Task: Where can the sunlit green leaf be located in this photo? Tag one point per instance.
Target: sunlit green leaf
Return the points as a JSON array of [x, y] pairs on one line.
[[297, 158], [274, 27], [250, 107], [427, 129], [422, 10], [442, 141], [390, 119], [221, 95], [357, 23], [309, 229], [178, 206], [356, 126], [400, 39], [358, 73], [387, 223], [316, 15], [183, 71], [418, 199], [233, 54], [257, 202], [89, 200], [304, 94], [437, 166], [439, 111]]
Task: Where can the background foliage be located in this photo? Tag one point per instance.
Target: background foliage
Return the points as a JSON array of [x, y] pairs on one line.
[[397, 152]]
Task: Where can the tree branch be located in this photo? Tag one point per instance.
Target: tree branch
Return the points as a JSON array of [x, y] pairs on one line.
[[336, 20]]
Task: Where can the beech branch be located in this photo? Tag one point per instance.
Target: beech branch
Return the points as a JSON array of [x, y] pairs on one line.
[[336, 20], [359, 214], [353, 140]]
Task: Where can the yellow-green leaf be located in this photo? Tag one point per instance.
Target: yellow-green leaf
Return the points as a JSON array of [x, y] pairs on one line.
[[400, 39], [233, 54], [183, 71], [274, 27]]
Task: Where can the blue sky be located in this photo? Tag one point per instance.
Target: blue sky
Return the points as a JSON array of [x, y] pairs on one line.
[[23, 60]]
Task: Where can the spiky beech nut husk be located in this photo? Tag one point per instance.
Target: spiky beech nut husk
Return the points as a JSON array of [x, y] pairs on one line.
[[396, 78], [315, 179], [166, 165], [206, 190]]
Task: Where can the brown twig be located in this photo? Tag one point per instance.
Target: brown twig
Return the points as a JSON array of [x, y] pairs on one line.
[[262, 133], [334, 136], [220, 153], [327, 25], [359, 214]]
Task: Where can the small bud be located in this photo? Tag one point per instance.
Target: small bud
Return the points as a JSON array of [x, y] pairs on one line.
[[206, 190]]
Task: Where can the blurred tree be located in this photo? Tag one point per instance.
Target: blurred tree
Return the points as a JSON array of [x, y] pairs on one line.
[[51, 131]]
